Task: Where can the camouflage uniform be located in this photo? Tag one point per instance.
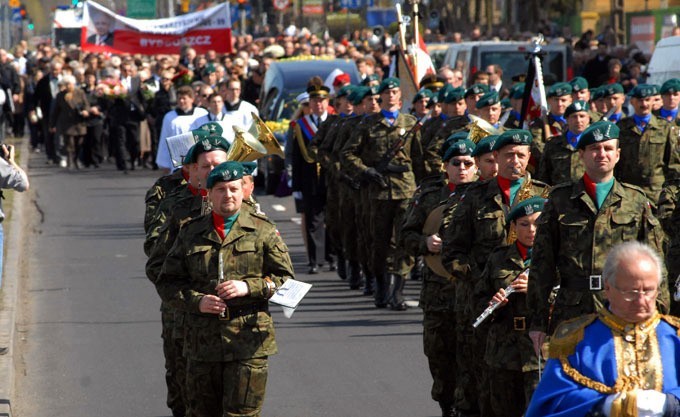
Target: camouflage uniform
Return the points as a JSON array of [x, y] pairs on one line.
[[227, 359], [509, 351], [364, 149], [476, 227], [543, 131], [649, 158], [560, 162], [668, 214], [437, 296], [161, 188], [571, 245], [512, 122], [427, 135]]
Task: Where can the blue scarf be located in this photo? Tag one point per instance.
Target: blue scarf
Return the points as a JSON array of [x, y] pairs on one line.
[[560, 119], [390, 115], [573, 138], [669, 115], [639, 120], [443, 116], [616, 117], [517, 115]]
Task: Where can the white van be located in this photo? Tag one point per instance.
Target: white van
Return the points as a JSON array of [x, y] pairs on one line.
[[665, 62]]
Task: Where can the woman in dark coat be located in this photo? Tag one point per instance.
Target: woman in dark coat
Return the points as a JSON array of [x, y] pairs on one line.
[[68, 118]]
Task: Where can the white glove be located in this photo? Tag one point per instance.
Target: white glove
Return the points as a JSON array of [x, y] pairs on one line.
[[650, 403], [607, 406], [297, 195]]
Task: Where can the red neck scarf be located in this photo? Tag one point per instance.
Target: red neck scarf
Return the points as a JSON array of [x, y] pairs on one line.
[[523, 250], [504, 185], [196, 191], [590, 187], [452, 187], [218, 223]]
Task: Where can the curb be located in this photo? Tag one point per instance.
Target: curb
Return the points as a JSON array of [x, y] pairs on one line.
[[14, 239]]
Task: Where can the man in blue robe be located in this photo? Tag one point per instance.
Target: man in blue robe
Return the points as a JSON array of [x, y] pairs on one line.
[[623, 361]]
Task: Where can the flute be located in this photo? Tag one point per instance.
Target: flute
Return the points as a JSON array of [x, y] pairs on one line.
[[494, 305], [220, 279]]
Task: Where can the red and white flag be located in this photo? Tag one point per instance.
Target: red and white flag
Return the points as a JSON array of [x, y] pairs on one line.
[[534, 105], [105, 31]]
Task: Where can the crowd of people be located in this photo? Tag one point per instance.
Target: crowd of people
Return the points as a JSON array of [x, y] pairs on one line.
[[486, 211]]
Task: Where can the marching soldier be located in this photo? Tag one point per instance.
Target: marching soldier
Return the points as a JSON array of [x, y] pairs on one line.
[[308, 178], [613, 96], [159, 190], [485, 161], [472, 95], [515, 112], [477, 226], [670, 95], [382, 150], [509, 352], [489, 108], [230, 333], [420, 104], [579, 224], [561, 162], [669, 215], [437, 298], [559, 98], [649, 146], [597, 101], [581, 91]]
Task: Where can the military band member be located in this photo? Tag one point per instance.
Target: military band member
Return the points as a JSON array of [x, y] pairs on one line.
[[391, 183], [227, 357], [509, 352], [560, 161], [515, 112], [614, 98], [670, 95], [580, 222], [159, 190], [649, 146], [477, 226], [489, 108], [420, 102], [485, 161], [597, 101], [308, 177], [472, 95], [437, 298]]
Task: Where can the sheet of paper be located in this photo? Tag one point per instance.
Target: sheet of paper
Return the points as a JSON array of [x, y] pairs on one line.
[[290, 293], [178, 146]]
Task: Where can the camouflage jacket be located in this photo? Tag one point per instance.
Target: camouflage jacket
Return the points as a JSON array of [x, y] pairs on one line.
[[508, 345], [560, 162], [572, 242], [181, 195], [668, 213], [154, 195], [477, 227], [648, 159], [373, 139], [512, 122], [543, 131], [252, 251], [432, 159], [427, 135]]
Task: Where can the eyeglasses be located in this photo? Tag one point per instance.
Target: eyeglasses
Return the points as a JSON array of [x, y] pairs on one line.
[[634, 295], [457, 163]]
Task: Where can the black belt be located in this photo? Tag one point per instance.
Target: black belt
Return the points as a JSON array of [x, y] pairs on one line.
[[589, 283], [243, 310]]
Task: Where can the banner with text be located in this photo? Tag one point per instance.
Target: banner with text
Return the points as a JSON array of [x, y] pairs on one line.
[[105, 31]]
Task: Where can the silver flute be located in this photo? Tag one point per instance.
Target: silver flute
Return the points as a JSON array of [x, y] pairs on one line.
[[494, 305], [220, 279]]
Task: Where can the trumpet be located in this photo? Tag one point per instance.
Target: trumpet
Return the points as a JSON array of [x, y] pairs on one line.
[[254, 143], [494, 305]]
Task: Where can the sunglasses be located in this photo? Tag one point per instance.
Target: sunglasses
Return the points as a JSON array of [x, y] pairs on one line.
[[457, 163]]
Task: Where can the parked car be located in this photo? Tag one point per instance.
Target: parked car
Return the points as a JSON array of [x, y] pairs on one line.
[[471, 57], [665, 61], [283, 82]]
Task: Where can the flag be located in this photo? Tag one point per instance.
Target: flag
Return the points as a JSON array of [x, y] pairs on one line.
[[409, 87], [534, 103]]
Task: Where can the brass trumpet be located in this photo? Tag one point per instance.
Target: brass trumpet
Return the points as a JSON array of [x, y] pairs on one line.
[[254, 143], [480, 128]]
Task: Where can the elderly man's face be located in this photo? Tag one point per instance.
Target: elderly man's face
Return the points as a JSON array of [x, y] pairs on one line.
[[102, 25], [632, 296]]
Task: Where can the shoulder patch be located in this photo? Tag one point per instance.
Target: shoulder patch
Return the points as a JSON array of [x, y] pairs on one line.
[[567, 335], [633, 187], [261, 216]]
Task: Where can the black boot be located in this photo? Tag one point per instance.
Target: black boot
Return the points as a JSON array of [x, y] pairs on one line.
[[369, 282], [342, 267], [354, 275], [396, 290], [381, 290], [417, 271]]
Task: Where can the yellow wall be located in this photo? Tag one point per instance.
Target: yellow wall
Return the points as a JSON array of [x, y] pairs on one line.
[[603, 6]]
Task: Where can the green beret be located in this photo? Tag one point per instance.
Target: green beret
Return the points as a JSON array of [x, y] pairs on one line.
[[208, 144], [559, 90], [488, 99], [598, 132], [644, 90], [526, 207], [388, 84], [345, 91], [513, 137], [517, 91], [369, 78], [611, 89], [209, 69], [578, 84], [670, 86], [424, 93], [505, 103], [225, 172], [188, 158], [358, 94], [575, 107], [453, 138], [211, 127], [454, 95], [519, 78], [477, 89], [441, 94], [485, 145], [198, 135], [249, 167], [459, 148], [596, 93]]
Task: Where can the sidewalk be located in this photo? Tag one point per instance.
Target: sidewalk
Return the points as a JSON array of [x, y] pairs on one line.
[[14, 244]]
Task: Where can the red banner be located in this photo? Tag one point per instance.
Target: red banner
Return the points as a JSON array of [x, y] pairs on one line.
[[105, 31]]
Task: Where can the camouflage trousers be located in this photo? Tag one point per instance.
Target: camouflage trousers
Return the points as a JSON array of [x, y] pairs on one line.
[[511, 391], [364, 224], [175, 364], [333, 222], [386, 219], [467, 357], [349, 219], [439, 343], [226, 389]]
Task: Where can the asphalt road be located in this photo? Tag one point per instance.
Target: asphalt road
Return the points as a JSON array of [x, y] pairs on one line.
[[89, 325]]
